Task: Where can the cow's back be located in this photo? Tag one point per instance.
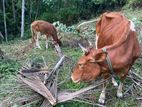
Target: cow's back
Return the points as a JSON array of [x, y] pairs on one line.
[[115, 33], [111, 28]]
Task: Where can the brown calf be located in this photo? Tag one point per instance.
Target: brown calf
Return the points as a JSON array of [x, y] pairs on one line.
[[39, 27]]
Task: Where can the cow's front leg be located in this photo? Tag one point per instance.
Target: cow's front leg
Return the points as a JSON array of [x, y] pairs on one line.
[[47, 43], [37, 44], [103, 94], [58, 49], [119, 90], [114, 82]]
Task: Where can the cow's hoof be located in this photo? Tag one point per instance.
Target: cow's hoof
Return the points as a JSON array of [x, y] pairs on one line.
[[37, 47], [119, 95], [115, 84], [101, 101]]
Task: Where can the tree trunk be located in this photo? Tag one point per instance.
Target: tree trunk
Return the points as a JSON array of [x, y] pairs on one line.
[[5, 27], [37, 10], [22, 18], [13, 9], [30, 11]]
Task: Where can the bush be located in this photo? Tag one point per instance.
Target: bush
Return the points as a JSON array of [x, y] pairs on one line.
[[63, 28], [68, 15], [8, 66], [134, 3], [65, 11]]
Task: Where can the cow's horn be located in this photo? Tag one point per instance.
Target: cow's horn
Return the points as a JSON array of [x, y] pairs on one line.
[[83, 49], [90, 44]]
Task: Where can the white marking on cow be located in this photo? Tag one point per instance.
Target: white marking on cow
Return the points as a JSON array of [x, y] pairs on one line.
[[103, 93], [97, 37], [75, 81], [37, 40], [46, 43], [114, 82], [132, 25], [37, 44], [119, 91], [102, 97]]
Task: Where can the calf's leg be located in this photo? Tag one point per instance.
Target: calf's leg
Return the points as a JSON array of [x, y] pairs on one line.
[[37, 40], [47, 43]]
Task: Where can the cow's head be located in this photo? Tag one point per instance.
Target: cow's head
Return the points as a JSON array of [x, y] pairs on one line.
[[88, 66]]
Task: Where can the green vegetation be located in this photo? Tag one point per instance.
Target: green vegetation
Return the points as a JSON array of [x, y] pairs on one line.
[[65, 11], [8, 66]]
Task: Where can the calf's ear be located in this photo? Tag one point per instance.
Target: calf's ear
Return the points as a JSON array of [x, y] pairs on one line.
[[100, 57]]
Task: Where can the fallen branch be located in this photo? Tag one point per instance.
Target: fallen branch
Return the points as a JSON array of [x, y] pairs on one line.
[[55, 68], [45, 103], [94, 104], [139, 98], [27, 101], [65, 96], [40, 88], [138, 84], [87, 22], [137, 75], [130, 87]]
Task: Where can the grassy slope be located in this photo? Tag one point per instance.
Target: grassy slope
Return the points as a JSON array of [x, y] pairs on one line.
[[74, 53]]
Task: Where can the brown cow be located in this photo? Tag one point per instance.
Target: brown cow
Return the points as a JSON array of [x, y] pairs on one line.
[[116, 50], [39, 27]]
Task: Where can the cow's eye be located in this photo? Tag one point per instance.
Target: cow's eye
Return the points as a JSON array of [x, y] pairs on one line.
[[81, 65]]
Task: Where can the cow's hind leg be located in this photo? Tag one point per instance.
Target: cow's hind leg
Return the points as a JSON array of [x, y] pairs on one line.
[[103, 93], [37, 40], [46, 44]]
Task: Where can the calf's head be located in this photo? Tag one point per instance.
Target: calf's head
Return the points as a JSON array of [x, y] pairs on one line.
[[88, 66]]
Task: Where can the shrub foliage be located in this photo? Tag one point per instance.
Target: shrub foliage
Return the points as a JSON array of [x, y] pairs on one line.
[[65, 11]]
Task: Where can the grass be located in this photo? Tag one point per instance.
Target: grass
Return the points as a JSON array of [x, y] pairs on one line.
[[50, 56], [35, 55]]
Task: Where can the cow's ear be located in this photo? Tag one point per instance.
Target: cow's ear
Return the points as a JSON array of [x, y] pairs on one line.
[[100, 57], [98, 27]]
